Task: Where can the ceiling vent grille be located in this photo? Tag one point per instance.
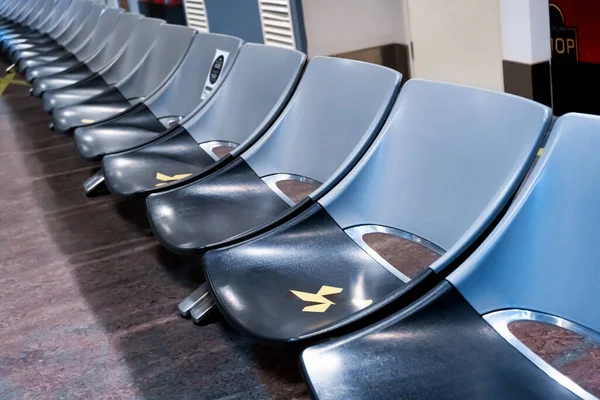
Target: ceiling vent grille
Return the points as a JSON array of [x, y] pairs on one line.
[[195, 12], [276, 21]]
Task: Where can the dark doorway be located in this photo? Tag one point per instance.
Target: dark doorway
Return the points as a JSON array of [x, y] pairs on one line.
[[169, 10]]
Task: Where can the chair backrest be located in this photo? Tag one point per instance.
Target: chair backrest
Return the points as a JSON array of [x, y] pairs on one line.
[[101, 32], [26, 10], [83, 28], [329, 122], [34, 14], [116, 43], [138, 46], [72, 20], [447, 162], [183, 93], [260, 83], [164, 58], [43, 15], [542, 256], [7, 7], [18, 10], [59, 12]]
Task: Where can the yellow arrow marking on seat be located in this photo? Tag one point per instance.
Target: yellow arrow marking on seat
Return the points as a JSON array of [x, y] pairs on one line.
[[319, 297], [323, 303], [166, 178]]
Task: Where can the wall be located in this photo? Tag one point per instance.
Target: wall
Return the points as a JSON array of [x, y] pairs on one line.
[[340, 26], [239, 18], [457, 41]]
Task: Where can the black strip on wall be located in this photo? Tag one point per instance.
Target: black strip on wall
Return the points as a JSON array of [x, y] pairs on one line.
[[394, 55], [529, 81]]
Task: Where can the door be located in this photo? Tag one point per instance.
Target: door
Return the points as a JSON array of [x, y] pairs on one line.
[[457, 41]]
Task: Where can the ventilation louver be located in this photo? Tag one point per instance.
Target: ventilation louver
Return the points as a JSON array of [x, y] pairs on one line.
[[195, 12], [276, 22]]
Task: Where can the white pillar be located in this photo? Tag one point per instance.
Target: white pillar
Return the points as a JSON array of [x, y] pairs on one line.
[[526, 48], [525, 30]]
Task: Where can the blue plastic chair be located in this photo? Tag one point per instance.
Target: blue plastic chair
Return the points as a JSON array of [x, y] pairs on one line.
[[539, 265], [444, 167]]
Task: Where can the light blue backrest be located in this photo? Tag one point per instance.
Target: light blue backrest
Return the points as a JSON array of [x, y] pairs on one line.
[[447, 161], [117, 42], [85, 26], [26, 10], [35, 12], [101, 33], [259, 85], [76, 13], [7, 7], [167, 53], [140, 43], [181, 94], [332, 117], [543, 255], [19, 10], [59, 12], [44, 14]]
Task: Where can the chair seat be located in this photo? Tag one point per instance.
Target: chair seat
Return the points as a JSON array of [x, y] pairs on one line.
[[259, 294], [25, 50], [73, 94], [439, 348], [134, 173], [20, 33], [213, 210], [59, 80], [41, 59], [130, 129], [50, 68], [95, 109]]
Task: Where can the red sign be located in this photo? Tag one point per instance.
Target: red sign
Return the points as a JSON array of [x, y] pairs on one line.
[[578, 37]]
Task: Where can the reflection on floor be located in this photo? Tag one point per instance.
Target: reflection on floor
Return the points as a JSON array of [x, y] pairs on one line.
[[88, 298]]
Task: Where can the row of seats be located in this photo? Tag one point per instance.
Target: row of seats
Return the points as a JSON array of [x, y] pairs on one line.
[[287, 175]]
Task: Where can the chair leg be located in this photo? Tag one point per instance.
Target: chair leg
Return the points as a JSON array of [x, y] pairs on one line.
[[94, 184], [202, 310], [197, 304]]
